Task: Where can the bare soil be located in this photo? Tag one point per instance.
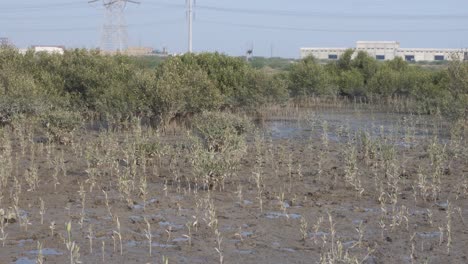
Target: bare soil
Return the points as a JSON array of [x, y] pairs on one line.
[[302, 182]]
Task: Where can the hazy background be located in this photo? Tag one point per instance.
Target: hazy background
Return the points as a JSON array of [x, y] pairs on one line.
[[271, 27]]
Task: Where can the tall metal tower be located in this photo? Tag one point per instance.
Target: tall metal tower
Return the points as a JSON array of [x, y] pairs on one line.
[[4, 42], [114, 35], [190, 14]]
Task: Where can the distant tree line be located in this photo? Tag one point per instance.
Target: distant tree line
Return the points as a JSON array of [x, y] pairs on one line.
[[82, 80]]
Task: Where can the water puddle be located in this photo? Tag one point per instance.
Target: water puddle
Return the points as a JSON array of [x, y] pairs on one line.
[[141, 219], [180, 239], [24, 261], [246, 234], [46, 252], [173, 226], [429, 234], [21, 243], [162, 245], [402, 130], [141, 206], [244, 252], [276, 215]]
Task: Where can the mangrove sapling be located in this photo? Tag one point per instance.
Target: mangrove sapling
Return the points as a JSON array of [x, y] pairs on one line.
[[32, 177], [240, 194], [259, 183], [82, 194], [148, 235], [320, 162], [55, 174], [40, 256], [118, 232], [169, 233], [324, 137], [23, 219], [383, 228], [316, 228], [189, 235], [304, 229], [92, 179], [289, 166], [413, 248], [430, 217], [283, 205], [449, 226], [62, 164], [52, 228], [103, 251], [361, 229], [219, 240], [3, 224], [210, 213], [351, 169], [90, 237], [239, 234], [165, 188], [143, 190], [72, 247], [42, 210], [399, 216], [114, 242], [107, 204], [459, 210], [441, 235]]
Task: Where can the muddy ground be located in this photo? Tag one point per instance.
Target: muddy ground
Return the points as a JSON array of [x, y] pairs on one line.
[[306, 205]]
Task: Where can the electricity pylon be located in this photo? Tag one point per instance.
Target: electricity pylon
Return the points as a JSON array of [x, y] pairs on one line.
[[114, 35], [4, 42]]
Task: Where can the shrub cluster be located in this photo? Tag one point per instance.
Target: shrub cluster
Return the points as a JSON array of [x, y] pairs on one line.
[[123, 86], [218, 147], [120, 85], [443, 89]]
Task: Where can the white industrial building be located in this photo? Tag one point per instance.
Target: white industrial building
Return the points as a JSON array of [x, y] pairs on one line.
[[388, 50], [47, 49]]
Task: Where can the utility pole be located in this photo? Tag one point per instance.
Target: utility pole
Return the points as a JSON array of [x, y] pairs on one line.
[[190, 24]]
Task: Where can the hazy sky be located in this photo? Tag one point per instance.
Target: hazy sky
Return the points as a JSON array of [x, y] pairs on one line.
[[280, 27]]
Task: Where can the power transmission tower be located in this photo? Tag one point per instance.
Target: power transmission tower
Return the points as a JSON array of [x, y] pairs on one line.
[[114, 35], [190, 5], [4, 42]]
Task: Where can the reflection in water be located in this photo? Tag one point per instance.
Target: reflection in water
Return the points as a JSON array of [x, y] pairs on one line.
[[398, 129]]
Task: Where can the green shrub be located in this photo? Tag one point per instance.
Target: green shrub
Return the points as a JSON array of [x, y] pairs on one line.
[[219, 146], [61, 124], [308, 78], [220, 131], [180, 88]]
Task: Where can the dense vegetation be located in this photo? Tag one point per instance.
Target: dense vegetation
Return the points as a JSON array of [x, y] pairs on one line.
[[443, 89], [85, 80]]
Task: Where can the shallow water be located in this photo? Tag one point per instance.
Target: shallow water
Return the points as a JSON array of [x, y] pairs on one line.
[[401, 129]]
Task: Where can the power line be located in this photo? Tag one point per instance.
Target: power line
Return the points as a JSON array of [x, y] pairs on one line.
[[45, 6], [71, 29], [333, 15], [266, 12], [328, 15], [334, 30]]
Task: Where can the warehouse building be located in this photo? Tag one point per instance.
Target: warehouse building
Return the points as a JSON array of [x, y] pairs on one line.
[[46, 49], [388, 50]]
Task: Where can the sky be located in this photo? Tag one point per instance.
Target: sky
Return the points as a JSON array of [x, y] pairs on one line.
[[276, 28]]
